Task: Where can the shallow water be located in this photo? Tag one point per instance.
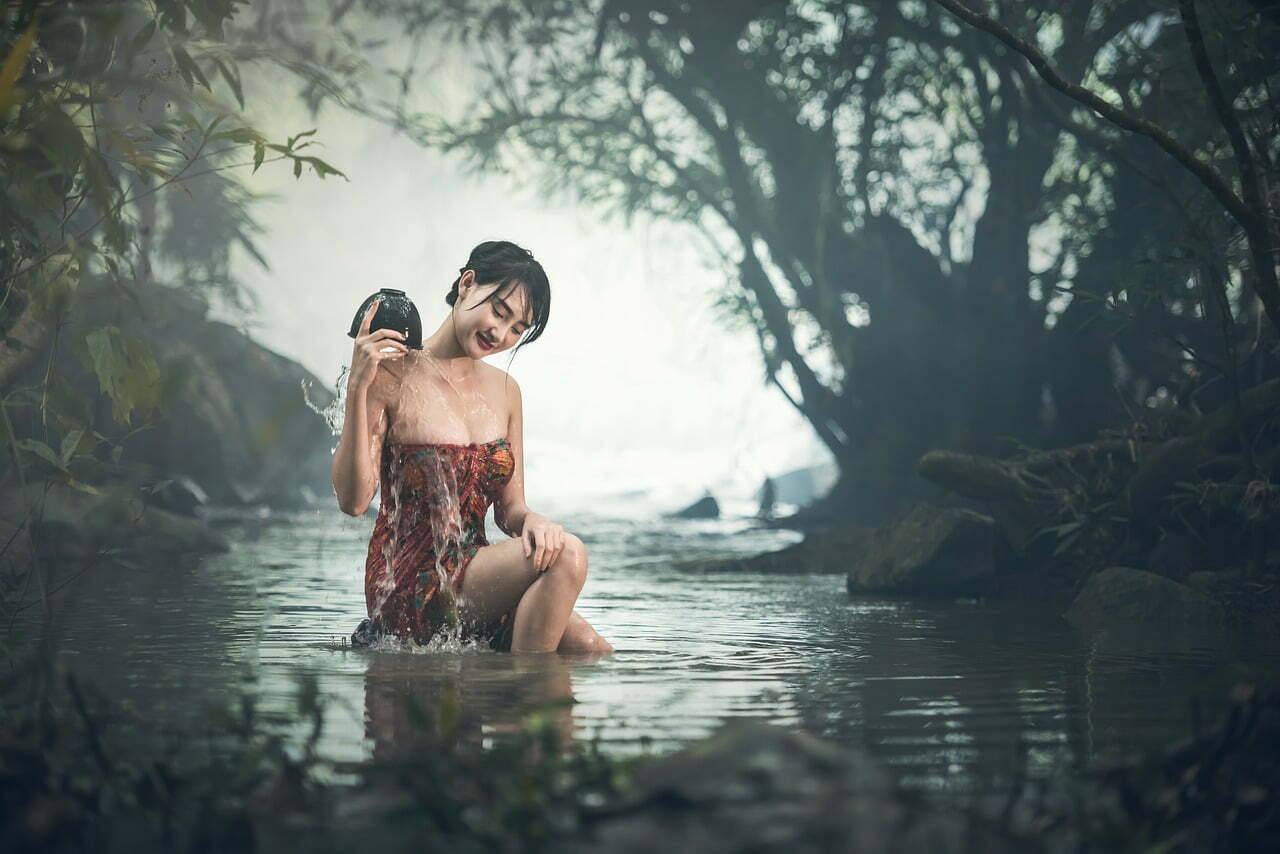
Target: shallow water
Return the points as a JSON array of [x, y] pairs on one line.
[[944, 692]]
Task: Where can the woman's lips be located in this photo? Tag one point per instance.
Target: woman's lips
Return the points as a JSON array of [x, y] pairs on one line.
[[486, 346]]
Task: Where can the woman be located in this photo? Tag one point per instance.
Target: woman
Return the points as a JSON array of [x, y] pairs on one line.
[[442, 432]]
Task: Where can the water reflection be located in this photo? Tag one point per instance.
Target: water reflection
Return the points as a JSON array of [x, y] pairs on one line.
[[484, 694], [951, 695]]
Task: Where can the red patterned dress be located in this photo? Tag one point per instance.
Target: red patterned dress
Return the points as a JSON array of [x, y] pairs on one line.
[[431, 518]]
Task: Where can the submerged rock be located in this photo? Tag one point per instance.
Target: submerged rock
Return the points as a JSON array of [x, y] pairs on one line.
[[75, 525], [705, 507], [1123, 598], [757, 787], [929, 550], [826, 551]]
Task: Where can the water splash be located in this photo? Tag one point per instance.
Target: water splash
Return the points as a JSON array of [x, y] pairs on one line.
[[423, 489], [335, 413]]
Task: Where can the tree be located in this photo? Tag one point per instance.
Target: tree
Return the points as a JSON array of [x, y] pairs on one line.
[[101, 110], [834, 156]]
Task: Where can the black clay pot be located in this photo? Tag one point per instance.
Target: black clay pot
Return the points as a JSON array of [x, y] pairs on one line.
[[395, 311]]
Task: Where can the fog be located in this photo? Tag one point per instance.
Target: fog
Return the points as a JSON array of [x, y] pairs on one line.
[[637, 384]]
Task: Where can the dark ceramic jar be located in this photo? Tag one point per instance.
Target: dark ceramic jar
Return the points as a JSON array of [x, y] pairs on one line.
[[395, 311]]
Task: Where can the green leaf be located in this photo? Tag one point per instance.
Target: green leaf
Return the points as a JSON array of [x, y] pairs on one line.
[[140, 40], [82, 486], [322, 168], [54, 285], [40, 449], [244, 135], [69, 444], [61, 140], [125, 368], [102, 189], [258, 151], [66, 399], [297, 167], [187, 66], [164, 130], [233, 80], [297, 137]]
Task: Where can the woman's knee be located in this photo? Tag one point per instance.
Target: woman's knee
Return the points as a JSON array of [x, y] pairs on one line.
[[572, 561]]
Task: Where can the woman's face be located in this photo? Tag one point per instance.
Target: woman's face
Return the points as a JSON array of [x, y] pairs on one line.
[[499, 321]]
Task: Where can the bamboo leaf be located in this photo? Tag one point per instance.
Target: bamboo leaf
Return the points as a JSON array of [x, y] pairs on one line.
[[40, 449], [69, 444], [297, 137], [188, 65], [141, 39], [12, 68], [322, 168], [82, 486], [233, 80]]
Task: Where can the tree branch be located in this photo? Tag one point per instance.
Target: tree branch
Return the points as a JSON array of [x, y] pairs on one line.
[[1252, 221]]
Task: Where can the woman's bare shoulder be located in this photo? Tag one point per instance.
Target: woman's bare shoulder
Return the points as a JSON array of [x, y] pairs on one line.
[[501, 377]]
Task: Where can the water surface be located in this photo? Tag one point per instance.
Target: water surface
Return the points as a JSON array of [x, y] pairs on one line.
[[947, 693]]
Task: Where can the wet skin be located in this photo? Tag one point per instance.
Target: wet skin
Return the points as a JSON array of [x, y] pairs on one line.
[[446, 394]]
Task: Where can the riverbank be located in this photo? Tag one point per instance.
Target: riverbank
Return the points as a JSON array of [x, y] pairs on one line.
[[1168, 520]]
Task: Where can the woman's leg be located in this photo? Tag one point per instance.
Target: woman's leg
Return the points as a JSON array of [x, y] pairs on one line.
[[579, 636], [500, 577], [546, 606]]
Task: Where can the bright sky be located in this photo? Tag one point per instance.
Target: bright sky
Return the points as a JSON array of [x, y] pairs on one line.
[[636, 383]]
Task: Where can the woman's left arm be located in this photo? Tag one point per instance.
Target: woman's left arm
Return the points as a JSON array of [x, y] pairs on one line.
[[544, 538]]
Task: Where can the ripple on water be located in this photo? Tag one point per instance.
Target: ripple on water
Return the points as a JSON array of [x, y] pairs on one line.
[[941, 691]]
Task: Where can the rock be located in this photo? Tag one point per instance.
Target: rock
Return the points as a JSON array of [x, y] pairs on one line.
[[757, 787], [234, 417], [182, 496], [705, 507], [1123, 598], [803, 485], [1176, 555], [929, 550], [76, 525], [1209, 581], [827, 551]]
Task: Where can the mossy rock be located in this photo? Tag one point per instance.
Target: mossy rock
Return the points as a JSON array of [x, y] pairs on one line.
[[1120, 597], [929, 551]]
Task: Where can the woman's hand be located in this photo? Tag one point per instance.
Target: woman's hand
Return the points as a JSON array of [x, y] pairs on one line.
[[370, 350], [543, 539]]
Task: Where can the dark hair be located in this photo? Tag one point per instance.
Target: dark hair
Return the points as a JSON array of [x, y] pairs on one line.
[[503, 262]]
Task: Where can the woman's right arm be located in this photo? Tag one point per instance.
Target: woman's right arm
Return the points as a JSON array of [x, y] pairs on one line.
[[355, 462]]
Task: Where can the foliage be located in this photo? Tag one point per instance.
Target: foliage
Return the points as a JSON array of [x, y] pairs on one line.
[[834, 157], [75, 775], [112, 115]]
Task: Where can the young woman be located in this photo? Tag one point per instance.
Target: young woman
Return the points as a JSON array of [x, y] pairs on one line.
[[440, 429]]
